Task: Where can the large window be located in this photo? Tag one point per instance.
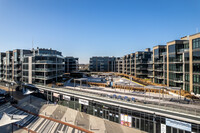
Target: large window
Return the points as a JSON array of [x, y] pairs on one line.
[[186, 56], [156, 52], [196, 43], [196, 56], [196, 68], [196, 89], [187, 67], [15, 56], [187, 77], [172, 57], [187, 87], [172, 48], [196, 78]]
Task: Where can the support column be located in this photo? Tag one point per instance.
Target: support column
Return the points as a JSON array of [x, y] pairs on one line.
[[119, 115], [51, 96]]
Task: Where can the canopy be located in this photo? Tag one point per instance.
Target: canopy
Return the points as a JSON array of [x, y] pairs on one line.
[[27, 92], [10, 118]]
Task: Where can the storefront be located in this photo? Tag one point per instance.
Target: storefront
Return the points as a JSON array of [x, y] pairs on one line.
[[151, 123]]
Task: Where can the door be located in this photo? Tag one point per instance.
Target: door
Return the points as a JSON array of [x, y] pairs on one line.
[[137, 123], [105, 114]]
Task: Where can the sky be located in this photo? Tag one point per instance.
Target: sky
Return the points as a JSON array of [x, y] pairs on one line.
[[86, 28]]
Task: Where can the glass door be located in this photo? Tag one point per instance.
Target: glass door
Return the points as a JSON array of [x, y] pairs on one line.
[[137, 123], [105, 114]]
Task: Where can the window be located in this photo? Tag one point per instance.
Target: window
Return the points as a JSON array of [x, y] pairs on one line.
[[196, 43], [187, 77], [196, 68], [15, 56], [196, 89], [187, 87], [187, 67], [196, 56], [196, 78], [156, 52], [186, 56], [172, 48]]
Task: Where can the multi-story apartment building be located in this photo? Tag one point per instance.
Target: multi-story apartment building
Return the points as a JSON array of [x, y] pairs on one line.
[[135, 64], [177, 67], [71, 64], [119, 65], [42, 66], [128, 64], [191, 58], [2, 55], [150, 68], [8, 66], [176, 64], [141, 63], [159, 64], [31, 66], [102, 64], [17, 60]]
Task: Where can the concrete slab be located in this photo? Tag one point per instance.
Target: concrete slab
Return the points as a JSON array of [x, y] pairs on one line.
[[112, 127], [59, 112], [49, 110], [97, 125], [82, 120], [69, 116]]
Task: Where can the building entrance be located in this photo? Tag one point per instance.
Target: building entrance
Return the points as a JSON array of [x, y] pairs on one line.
[[105, 114]]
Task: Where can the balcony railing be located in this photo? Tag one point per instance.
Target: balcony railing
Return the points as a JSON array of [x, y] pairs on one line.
[[182, 50], [176, 60]]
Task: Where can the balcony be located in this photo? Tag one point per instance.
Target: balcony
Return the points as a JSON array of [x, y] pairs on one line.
[[177, 71], [17, 62], [45, 61], [178, 80], [150, 62], [159, 77], [149, 69], [141, 73], [141, 62], [45, 69], [158, 62], [182, 50], [45, 77], [141, 68], [160, 69], [150, 75], [17, 75], [176, 61]]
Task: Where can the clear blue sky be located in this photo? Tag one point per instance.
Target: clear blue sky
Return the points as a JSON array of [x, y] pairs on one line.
[[85, 28]]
